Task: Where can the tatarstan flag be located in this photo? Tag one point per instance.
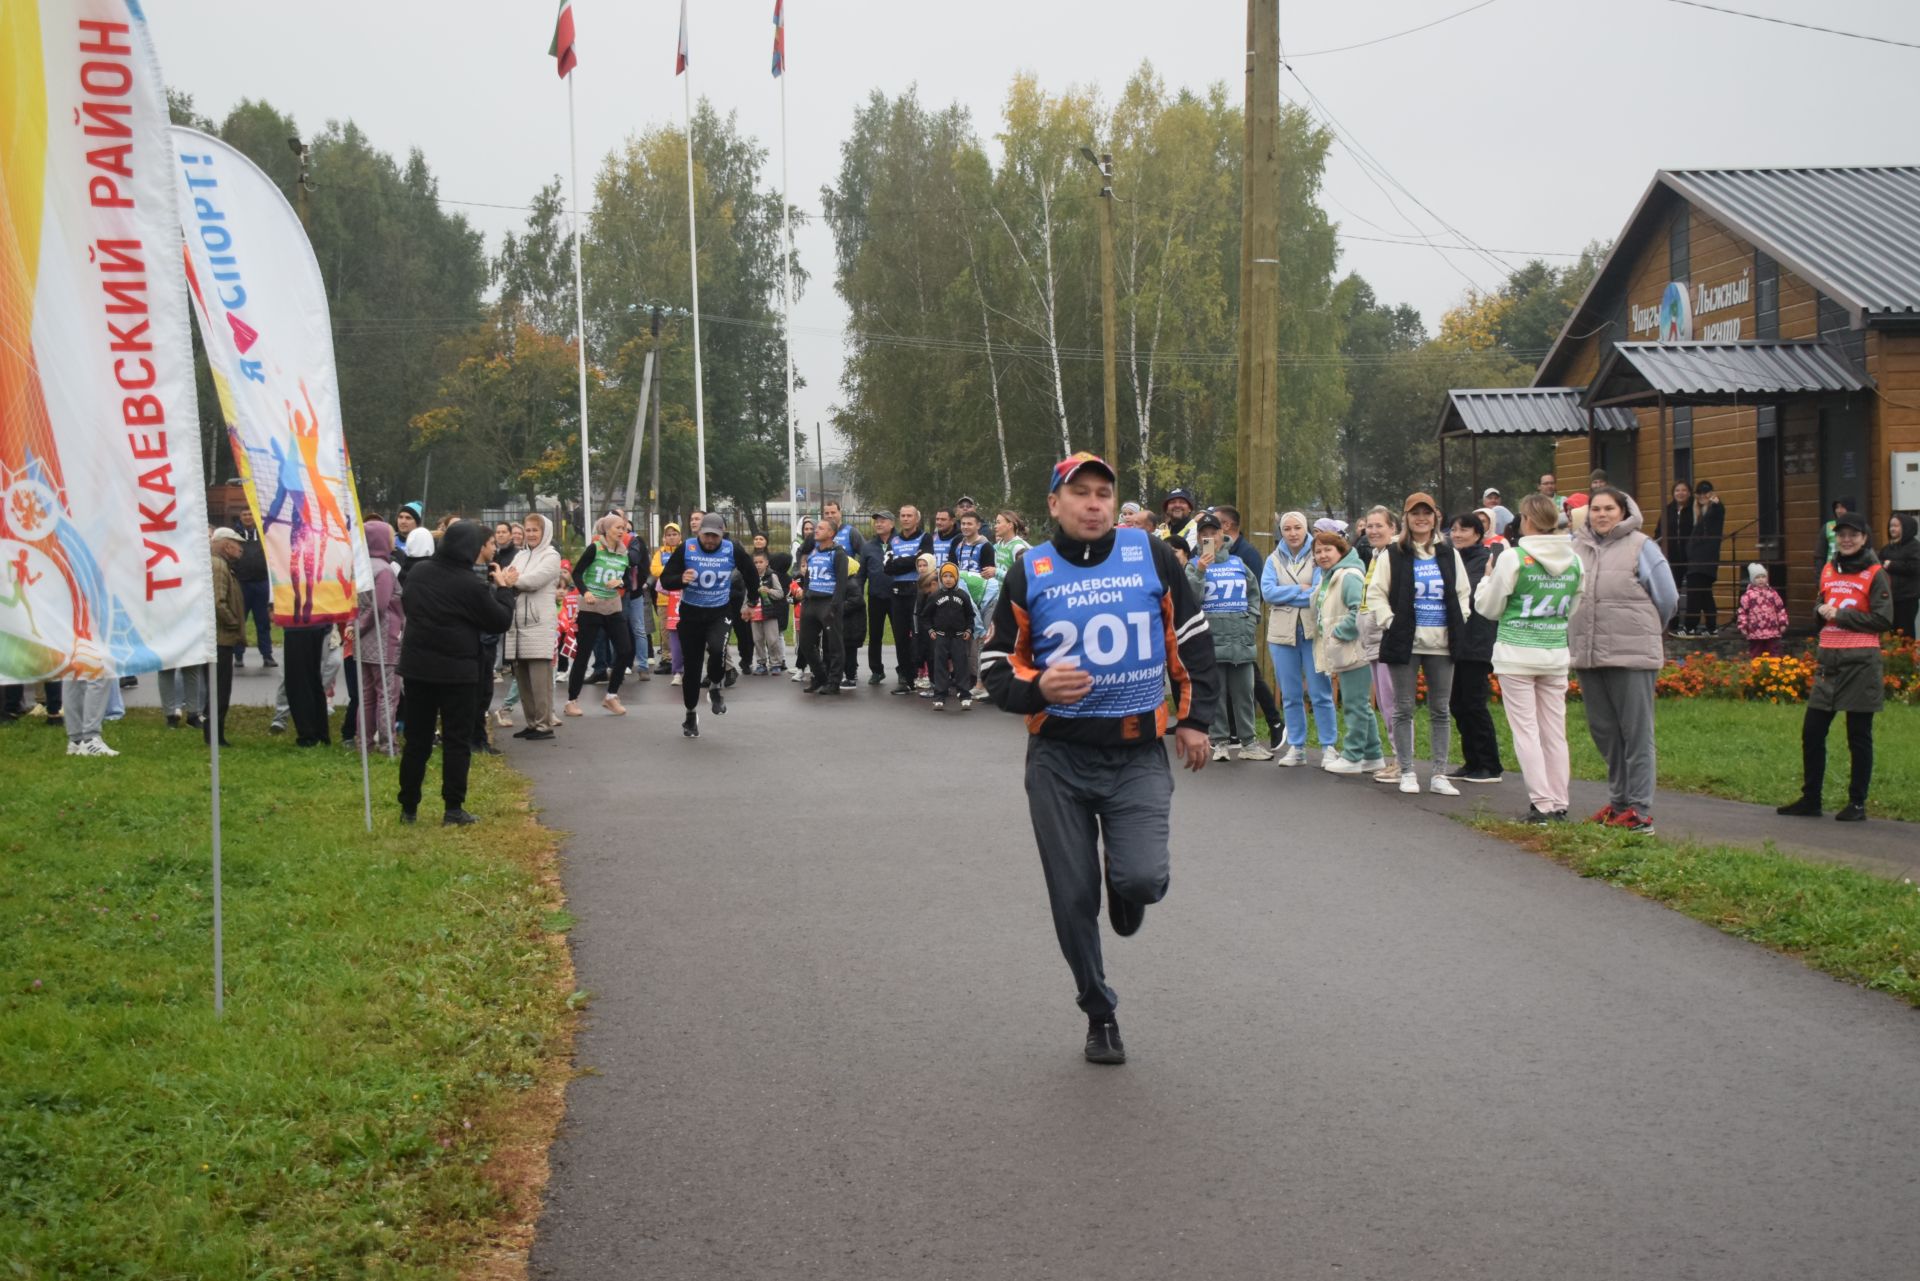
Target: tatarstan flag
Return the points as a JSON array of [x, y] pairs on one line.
[[779, 37], [562, 46]]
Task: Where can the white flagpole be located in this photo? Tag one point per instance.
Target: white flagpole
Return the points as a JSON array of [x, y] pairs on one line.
[[693, 257], [219, 941], [786, 278], [360, 735], [580, 313]]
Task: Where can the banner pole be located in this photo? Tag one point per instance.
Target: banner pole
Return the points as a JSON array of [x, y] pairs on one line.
[[693, 258], [360, 736], [579, 312], [219, 940]]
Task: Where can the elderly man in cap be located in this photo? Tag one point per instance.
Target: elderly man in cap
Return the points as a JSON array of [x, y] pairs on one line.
[[229, 625], [1501, 512], [1089, 626], [1177, 507], [872, 557]]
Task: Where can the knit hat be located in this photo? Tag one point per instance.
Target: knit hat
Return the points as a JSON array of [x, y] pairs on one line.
[[1328, 525], [1756, 572]]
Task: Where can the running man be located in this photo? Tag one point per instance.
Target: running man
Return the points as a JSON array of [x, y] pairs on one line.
[[1088, 626], [705, 568]]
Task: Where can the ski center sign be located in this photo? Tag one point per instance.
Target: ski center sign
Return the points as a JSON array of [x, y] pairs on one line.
[[1672, 319]]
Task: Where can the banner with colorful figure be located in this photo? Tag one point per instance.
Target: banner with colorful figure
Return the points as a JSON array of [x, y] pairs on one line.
[[263, 318], [104, 562]]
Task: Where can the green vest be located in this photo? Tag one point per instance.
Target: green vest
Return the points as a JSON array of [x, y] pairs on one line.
[[605, 573], [1536, 613]]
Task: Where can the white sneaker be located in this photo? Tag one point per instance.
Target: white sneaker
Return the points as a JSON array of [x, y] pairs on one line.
[[1439, 785], [979, 691], [939, 705], [1341, 765], [73, 747], [95, 747], [1387, 773], [1373, 764], [797, 677], [503, 718], [1220, 752], [923, 682], [1328, 755], [1259, 752], [966, 704], [676, 678], [1410, 783], [1291, 757]]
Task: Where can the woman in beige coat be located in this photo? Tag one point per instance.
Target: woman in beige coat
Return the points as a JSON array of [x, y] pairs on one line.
[[528, 645]]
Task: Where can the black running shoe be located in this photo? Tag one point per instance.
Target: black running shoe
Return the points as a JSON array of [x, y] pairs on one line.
[[901, 689], [730, 678], [831, 689], [849, 683], [1805, 807], [690, 727], [1125, 917], [1852, 814], [522, 733], [458, 818], [538, 736], [876, 678], [811, 687], [408, 816], [719, 703], [1536, 817], [1103, 1040], [268, 661]]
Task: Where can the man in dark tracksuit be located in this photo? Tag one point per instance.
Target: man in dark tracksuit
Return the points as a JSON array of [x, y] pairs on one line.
[[703, 569], [904, 548], [1088, 627], [251, 570], [824, 570], [879, 603]]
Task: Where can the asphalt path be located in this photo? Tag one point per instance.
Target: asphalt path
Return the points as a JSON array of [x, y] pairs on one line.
[[831, 1035]]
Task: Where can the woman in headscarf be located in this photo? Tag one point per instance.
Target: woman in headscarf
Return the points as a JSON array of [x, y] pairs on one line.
[[377, 642], [601, 575]]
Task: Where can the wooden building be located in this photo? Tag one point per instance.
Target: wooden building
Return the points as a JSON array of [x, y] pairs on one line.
[[1756, 327]]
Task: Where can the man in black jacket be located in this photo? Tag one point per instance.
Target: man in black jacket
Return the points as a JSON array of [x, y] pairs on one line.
[[1239, 545], [448, 608], [873, 567], [904, 548]]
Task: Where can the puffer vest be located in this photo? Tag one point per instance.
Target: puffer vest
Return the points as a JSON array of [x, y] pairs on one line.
[[1285, 623], [1614, 622]]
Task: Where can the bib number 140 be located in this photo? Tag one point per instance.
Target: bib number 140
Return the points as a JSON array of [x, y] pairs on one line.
[[1106, 638]]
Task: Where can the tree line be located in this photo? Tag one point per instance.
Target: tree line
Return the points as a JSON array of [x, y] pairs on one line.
[[971, 274]]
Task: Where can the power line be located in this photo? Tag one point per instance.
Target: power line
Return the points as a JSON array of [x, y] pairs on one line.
[[1315, 53], [1804, 26]]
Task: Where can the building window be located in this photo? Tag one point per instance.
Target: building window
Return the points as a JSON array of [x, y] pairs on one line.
[[1679, 246], [1766, 296], [1836, 328], [1683, 466], [1682, 426]]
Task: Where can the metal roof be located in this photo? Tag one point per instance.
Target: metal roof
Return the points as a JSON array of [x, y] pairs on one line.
[[1852, 233], [1525, 411], [1708, 373]]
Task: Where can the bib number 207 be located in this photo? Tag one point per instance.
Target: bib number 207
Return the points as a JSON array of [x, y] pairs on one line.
[[1106, 638]]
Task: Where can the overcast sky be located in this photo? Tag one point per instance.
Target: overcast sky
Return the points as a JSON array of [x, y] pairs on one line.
[[1527, 125]]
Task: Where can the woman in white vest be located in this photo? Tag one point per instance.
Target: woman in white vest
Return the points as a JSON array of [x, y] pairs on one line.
[[1530, 592], [1287, 584]]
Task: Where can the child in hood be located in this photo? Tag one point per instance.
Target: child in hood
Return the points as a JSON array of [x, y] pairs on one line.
[[1763, 615], [948, 617]]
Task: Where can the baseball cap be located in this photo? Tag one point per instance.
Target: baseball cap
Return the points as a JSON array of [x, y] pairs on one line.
[[1421, 496], [1489, 492], [223, 534], [1208, 520], [712, 524], [883, 515], [1067, 468], [1850, 520]]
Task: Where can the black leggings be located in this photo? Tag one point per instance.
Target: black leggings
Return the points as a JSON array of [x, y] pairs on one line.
[[1813, 753], [592, 627], [702, 631], [1701, 607], [906, 648]]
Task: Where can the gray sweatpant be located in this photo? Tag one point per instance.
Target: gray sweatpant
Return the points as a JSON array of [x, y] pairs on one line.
[[83, 706], [1233, 714], [183, 689], [1619, 702], [1406, 687], [1077, 796]]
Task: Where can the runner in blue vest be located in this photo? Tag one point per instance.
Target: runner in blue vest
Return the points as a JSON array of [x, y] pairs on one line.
[[946, 532], [1088, 628], [853, 605], [705, 568]]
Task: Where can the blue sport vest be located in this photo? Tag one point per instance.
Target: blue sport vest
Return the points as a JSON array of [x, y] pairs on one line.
[[844, 536], [940, 546], [969, 555], [1226, 587], [898, 547], [715, 575], [1429, 594], [1107, 616], [820, 580]]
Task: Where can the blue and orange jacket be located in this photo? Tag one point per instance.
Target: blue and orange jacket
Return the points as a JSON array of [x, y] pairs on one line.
[[1012, 677]]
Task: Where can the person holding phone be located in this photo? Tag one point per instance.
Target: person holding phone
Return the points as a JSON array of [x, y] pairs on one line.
[[1089, 628]]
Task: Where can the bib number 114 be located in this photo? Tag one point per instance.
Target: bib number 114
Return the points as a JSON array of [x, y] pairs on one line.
[[1106, 638]]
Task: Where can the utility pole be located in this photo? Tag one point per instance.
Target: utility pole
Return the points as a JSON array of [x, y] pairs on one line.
[[1259, 389], [820, 455], [653, 485], [1109, 306]]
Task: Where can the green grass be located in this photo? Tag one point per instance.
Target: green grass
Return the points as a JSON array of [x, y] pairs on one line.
[[1847, 923], [396, 1005], [1747, 752]]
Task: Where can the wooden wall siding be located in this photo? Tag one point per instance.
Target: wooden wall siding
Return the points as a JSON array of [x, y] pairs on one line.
[[1893, 360], [1804, 523]]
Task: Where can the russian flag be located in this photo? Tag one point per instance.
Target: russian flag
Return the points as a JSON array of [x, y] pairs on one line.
[[680, 58], [779, 36]]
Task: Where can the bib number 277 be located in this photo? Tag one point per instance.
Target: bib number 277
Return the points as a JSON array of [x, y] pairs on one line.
[[1106, 638]]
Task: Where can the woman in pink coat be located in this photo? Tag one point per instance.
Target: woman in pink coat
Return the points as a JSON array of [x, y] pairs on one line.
[[377, 644]]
